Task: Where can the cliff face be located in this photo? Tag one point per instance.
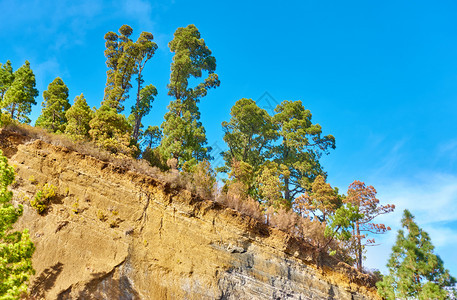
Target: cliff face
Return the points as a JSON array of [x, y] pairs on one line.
[[114, 234]]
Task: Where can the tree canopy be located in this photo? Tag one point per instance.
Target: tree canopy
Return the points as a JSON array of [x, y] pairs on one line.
[[78, 117], [6, 78], [20, 96], [285, 147], [415, 271], [184, 137], [120, 59], [364, 198], [55, 105], [111, 130], [145, 49]]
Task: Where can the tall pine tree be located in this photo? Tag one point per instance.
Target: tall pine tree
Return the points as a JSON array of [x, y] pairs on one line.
[[78, 118], [55, 105], [301, 146], [145, 50], [6, 78], [364, 198], [120, 58], [20, 96], [184, 137], [415, 272]]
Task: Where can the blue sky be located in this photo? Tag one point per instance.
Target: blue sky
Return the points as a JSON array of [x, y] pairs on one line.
[[381, 76]]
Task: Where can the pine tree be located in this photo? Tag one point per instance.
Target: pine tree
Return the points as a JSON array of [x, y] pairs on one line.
[[184, 137], [415, 272], [364, 198], [6, 78], [249, 135], [16, 248], [152, 137], [20, 96], [78, 117], [120, 58], [252, 134], [321, 201], [55, 105], [301, 146], [111, 131], [145, 50], [142, 107]]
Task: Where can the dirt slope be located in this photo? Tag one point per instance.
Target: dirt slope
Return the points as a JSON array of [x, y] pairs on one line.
[[115, 234]]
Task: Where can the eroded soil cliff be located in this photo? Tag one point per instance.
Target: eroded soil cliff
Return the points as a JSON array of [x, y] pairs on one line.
[[111, 233]]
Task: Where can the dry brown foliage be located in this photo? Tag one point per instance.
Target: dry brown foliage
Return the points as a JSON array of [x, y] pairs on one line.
[[286, 220], [204, 180], [236, 199], [86, 148]]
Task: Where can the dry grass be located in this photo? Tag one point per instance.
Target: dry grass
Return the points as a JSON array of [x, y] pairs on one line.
[[235, 198], [286, 220], [86, 148]]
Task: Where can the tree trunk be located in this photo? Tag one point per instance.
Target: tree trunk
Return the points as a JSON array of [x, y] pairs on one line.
[[13, 109], [136, 128], [359, 248], [287, 190]]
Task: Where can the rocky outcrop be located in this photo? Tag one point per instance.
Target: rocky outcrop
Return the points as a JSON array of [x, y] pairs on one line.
[[111, 233]]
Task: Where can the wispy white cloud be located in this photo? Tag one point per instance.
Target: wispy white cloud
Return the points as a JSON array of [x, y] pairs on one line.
[[431, 197], [145, 13], [391, 159], [45, 71], [139, 9], [448, 151]]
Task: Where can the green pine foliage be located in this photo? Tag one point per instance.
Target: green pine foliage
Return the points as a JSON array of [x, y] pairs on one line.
[[55, 106], [270, 186], [142, 108], [20, 96], [319, 203], [6, 78], [289, 139], [301, 147], [111, 131], [120, 58], [152, 137], [78, 117], [415, 272], [145, 50], [5, 119], [184, 137], [339, 225], [249, 135], [16, 248]]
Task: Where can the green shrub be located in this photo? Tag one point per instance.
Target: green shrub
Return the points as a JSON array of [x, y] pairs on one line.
[[5, 119], [42, 198], [16, 248]]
